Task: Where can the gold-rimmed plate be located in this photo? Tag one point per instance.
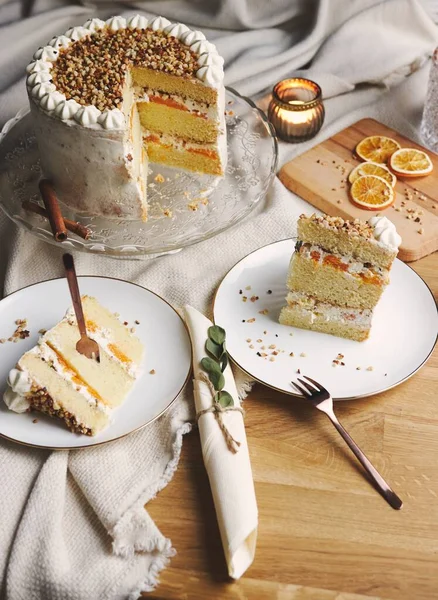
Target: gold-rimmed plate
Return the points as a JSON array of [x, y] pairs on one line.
[[247, 305], [165, 370]]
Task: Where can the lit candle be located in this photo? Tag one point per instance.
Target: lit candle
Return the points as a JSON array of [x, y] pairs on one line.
[[296, 109]]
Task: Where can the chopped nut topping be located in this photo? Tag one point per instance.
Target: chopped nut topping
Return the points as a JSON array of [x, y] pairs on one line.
[[152, 372]]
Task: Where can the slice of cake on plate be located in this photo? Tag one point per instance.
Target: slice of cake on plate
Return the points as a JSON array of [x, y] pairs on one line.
[[110, 95], [55, 379], [337, 274]]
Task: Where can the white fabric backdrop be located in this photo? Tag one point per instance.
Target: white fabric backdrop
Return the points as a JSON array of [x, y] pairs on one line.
[[73, 525]]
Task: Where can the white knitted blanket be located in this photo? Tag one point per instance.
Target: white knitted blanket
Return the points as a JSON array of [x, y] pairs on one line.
[[73, 525]]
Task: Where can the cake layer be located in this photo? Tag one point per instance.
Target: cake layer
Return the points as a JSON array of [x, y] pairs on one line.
[[60, 398], [306, 318], [354, 239], [328, 283], [171, 84], [202, 158], [166, 115]]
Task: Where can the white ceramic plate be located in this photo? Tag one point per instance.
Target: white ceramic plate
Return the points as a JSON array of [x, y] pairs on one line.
[[161, 329], [403, 334]]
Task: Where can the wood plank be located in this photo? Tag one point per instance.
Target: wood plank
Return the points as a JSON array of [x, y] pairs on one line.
[[320, 177]]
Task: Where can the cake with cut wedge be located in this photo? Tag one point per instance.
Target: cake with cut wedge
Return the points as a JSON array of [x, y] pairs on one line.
[[338, 273], [55, 379], [110, 96]]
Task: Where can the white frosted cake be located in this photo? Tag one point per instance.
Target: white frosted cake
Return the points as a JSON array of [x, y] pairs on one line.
[[109, 96], [55, 379]]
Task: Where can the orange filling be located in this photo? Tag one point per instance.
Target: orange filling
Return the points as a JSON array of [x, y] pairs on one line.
[[119, 354], [315, 255], [168, 102], [373, 279], [204, 151], [335, 262]]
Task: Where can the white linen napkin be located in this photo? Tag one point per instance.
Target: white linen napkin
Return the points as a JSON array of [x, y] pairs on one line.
[[229, 473]]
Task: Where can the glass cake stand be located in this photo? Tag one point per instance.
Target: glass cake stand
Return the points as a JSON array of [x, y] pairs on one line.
[[185, 208]]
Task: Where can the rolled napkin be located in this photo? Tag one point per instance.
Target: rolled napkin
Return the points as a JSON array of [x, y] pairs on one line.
[[225, 453]]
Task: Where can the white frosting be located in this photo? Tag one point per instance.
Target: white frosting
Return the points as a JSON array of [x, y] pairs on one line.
[[38, 65], [210, 58], [159, 24], [94, 24], [77, 33], [212, 76], [176, 29], [112, 119], [87, 115], [41, 89], [19, 384], [67, 109], [189, 37], [46, 53], [116, 23], [329, 312], [202, 46], [61, 41], [51, 100], [39, 77], [385, 232], [138, 22]]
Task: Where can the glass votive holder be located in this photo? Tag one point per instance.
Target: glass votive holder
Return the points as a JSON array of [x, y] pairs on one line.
[[296, 109], [429, 123]]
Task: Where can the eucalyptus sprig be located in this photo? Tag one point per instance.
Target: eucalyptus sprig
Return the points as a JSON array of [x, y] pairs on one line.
[[215, 364]]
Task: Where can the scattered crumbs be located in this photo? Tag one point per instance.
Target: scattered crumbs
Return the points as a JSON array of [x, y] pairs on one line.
[[248, 287], [421, 231], [251, 346], [159, 178], [340, 356], [417, 220], [2, 340], [358, 368], [272, 358], [397, 208], [35, 421], [265, 333], [386, 375], [243, 321], [249, 340], [204, 201], [151, 185], [152, 372], [262, 347], [433, 205], [20, 333], [259, 341], [334, 364], [292, 354], [41, 331], [251, 320], [240, 292], [275, 352], [298, 371], [254, 298], [192, 206], [342, 364], [370, 368], [125, 323], [137, 322], [303, 354], [263, 354], [230, 102], [265, 311], [258, 354], [129, 157], [132, 330], [269, 292], [186, 194], [338, 201], [291, 334], [244, 298], [272, 347], [230, 113], [167, 212], [117, 315], [334, 189]]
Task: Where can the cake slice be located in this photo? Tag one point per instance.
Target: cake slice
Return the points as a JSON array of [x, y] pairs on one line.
[[338, 273], [55, 379]]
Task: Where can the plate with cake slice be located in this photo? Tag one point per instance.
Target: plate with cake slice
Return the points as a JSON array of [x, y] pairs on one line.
[[334, 303], [55, 397]]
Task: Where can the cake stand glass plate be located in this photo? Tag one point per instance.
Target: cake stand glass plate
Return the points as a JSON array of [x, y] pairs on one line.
[[161, 330], [403, 334], [185, 208]]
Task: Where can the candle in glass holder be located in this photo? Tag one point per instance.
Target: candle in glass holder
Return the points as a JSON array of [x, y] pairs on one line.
[[296, 109]]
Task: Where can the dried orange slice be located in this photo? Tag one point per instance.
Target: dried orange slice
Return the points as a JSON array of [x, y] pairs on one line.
[[377, 148], [371, 192], [409, 162], [372, 168]]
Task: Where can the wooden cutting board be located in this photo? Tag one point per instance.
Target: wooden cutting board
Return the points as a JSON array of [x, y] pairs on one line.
[[320, 176]]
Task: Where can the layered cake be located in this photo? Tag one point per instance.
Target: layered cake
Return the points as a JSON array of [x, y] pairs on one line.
[[55, 379], [337, 274], [111, 95]]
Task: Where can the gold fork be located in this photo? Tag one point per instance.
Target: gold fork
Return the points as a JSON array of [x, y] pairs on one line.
[[85, 345], [322, 400]]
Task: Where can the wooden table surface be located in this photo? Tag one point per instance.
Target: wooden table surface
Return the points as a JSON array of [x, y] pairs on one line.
[[324, 533]]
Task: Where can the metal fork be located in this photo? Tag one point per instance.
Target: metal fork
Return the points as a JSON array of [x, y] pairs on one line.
[[321, 399]]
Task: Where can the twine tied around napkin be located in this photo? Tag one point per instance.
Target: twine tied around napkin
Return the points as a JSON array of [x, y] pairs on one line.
[[218, 410]]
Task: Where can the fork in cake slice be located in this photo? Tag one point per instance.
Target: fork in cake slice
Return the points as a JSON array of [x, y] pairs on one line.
[[337, 274], [55, 379]]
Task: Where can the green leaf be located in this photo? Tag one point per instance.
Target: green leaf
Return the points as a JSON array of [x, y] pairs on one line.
[[216, 334], [210, 365], [224, 361], [215, 350], [225, 399], [217, 379]]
